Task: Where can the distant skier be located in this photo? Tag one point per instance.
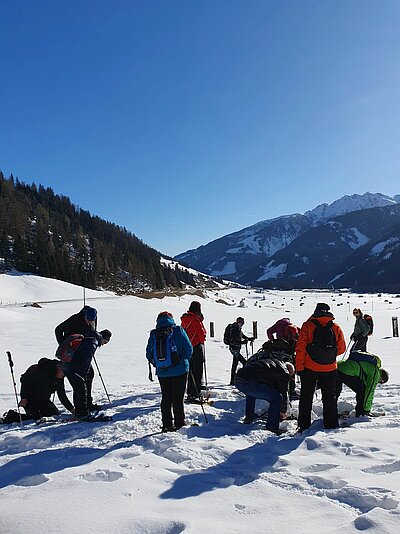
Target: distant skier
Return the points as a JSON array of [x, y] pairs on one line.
[[235, 338], [361, 372], [169, 350], [38, 383], [76, 371], [268, 379], [361, 331], [80, 323], [320, 342], [192, 322]]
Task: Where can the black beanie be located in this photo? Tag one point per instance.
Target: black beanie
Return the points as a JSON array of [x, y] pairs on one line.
[[195, 307], [322, 308]]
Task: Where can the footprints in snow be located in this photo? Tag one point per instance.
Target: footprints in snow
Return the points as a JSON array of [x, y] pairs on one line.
[[383, 469], [102, 475]]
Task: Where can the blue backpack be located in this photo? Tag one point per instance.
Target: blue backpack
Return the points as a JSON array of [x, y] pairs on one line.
[[358, 356], [165, 353]]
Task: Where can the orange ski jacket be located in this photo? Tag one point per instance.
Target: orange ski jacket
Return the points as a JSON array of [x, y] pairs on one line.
[[303, 359]]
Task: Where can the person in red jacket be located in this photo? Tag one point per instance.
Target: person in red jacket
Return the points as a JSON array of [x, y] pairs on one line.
[[320, 342], [192, 323]]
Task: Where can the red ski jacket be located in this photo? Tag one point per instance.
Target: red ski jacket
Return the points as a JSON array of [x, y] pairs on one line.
[[193, 325]]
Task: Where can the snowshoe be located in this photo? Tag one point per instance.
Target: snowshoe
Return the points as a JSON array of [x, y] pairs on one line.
[[93, 418]]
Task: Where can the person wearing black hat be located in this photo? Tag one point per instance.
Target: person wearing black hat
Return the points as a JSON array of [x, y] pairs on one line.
[[320, 342], [38, 383], [192, 323], [77, 370], [80, 323], [236, 340], [361, 332]]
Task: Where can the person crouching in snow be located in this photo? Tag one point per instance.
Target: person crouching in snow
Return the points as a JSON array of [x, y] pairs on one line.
[[268, 379], [169, 350], [38, 383], [76, 371]]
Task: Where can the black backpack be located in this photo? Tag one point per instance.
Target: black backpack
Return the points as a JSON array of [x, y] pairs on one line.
[[227, 335], [323, 348]]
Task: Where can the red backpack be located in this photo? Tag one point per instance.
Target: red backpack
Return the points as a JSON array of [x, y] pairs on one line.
[[370, 322], [67, 349]]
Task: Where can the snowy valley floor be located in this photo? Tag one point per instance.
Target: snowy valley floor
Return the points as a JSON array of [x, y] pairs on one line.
[[220, 477]]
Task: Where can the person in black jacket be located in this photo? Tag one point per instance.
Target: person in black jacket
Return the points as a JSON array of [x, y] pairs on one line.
[[38, 383], [236, 340], [76, 371], [80, 323], [268, 379]]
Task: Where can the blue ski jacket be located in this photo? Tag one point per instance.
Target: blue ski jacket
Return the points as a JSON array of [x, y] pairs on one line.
[[182, 343], [83, 355]]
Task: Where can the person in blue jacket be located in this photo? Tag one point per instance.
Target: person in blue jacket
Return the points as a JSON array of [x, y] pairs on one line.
[[170, 350], [76, 371]]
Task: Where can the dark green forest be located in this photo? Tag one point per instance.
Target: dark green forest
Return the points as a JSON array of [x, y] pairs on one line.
[[43, 233]]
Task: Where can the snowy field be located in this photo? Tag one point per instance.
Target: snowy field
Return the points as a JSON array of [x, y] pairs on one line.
[[220, 477]]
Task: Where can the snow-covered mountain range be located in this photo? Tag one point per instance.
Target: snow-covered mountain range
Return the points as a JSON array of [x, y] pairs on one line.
[[273, 252]]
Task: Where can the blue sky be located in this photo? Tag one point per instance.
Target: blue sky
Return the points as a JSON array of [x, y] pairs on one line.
[[187, 120]]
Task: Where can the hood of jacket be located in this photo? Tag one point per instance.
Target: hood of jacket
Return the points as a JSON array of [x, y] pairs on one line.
[[165, 322]]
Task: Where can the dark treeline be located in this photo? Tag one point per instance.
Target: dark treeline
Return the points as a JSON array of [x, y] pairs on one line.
[[44, 233]]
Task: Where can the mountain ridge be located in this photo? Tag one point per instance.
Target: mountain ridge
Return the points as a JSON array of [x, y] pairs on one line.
[[260, 244]]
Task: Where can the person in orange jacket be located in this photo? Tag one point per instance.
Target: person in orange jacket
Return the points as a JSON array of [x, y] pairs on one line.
[[320, 342], [192, 322]]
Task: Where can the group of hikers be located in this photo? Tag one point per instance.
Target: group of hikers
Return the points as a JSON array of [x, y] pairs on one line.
[[310, 352], [177, 353], [78, 341]]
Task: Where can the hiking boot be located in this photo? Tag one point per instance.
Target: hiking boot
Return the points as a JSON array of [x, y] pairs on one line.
[[180, 425], [249, 419], [168, 429], [94, 408]]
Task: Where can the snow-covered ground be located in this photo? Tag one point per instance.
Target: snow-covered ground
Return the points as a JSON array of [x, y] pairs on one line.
[[222, 477]]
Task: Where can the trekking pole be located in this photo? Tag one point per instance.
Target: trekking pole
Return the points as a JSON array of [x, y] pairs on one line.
[[102, 381], [347, 348], [11, 364], [199, 395], [247, 351], [205, 367], [150, 373], [252, 346]]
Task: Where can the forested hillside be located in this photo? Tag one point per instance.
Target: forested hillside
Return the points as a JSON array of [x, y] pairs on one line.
[[44, 233]]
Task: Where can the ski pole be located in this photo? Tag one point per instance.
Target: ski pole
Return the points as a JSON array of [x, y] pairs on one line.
[[11, 364], [102, 381], [199, 395]]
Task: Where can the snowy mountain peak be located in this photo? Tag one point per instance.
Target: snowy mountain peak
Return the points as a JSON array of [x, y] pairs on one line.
[[349, 203]]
